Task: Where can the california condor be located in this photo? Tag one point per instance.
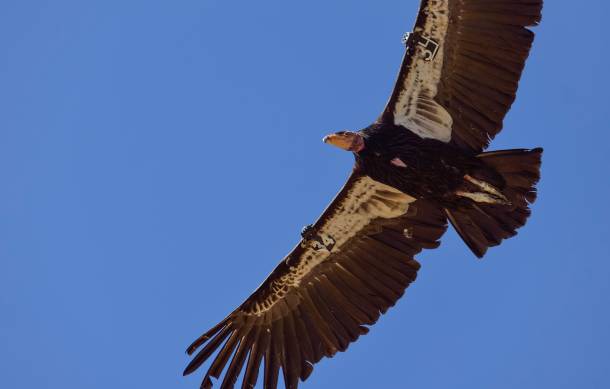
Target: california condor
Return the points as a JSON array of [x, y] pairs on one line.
[[420, 164]]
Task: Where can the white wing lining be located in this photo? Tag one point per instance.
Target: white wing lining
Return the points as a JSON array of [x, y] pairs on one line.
[[415, 108]]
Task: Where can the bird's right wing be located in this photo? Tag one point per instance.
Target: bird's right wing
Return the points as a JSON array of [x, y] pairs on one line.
[[350, 267]]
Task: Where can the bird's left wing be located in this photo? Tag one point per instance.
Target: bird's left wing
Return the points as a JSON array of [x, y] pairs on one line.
[[350, 267], [461, 69]]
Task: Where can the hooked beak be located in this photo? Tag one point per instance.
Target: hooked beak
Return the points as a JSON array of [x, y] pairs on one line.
[[348, 141]]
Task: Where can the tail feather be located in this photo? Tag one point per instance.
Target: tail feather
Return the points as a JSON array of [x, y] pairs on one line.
[[485, 225]]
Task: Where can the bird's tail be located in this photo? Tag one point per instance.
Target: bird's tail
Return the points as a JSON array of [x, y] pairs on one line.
[[482, 225]]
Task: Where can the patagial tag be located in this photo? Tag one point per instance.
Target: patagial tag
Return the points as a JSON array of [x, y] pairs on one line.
[[429, 46]]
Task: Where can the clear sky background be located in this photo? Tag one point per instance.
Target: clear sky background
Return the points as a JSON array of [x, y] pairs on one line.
[[158, 158]]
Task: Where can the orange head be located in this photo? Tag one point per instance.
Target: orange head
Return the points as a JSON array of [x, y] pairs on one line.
[[347, 140]]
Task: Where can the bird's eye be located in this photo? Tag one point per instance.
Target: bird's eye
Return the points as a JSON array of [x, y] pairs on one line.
[[341, 133]]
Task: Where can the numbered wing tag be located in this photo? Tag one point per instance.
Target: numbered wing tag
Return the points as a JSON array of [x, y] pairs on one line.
[[317, 241], [429, 46]]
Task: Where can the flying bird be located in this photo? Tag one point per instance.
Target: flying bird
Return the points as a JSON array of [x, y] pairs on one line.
[[418, 167]]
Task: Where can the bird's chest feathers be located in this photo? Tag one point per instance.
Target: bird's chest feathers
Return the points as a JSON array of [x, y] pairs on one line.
[[411, 172]]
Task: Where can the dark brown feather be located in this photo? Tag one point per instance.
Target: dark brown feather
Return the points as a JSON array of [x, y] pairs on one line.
[[484, 51], [331, 305]]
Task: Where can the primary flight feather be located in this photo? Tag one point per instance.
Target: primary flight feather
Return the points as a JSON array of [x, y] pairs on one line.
[[420, 165]]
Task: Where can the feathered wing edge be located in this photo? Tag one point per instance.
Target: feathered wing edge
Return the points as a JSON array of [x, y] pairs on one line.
[[472, 82], [485, 56], [330, 308]]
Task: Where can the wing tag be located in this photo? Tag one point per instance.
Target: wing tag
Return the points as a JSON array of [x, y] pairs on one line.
[[317, 241], [429, 46]]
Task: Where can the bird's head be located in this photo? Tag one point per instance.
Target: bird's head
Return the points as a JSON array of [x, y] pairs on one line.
[[347, 140]]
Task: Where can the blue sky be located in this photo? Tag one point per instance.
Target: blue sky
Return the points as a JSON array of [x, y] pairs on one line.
[[159, 158]]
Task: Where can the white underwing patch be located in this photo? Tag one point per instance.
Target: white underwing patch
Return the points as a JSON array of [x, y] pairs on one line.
[[415, 107], [365, 201]]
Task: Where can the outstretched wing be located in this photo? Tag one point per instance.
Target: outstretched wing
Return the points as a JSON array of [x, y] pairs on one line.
[[350, 267], [461, 70]]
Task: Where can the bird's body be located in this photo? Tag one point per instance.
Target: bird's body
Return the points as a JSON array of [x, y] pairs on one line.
[[431, 169], [485, 196], [420, 166]]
